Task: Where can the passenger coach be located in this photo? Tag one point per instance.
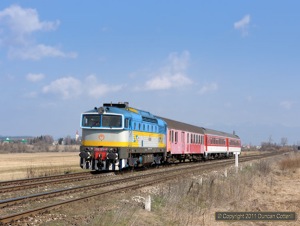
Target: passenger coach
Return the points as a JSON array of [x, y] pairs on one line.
[[185, 141]]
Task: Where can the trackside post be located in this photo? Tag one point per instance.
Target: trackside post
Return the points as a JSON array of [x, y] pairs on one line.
[[236, 159], [148, 203]]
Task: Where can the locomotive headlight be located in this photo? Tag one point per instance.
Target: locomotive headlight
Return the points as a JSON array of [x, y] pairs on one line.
[[100, 110], [112, 156]]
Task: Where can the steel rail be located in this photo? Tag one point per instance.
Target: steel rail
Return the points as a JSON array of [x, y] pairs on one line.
[[36, 179]]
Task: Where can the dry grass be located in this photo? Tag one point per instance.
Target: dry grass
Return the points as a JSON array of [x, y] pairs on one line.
[[27, 165], [190, 201], [291, 162]]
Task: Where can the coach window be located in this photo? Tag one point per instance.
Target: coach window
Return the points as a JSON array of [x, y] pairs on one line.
[[188, 138], [176, 137]]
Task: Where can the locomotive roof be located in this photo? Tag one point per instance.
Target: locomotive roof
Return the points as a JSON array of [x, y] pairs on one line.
[[124, 109]]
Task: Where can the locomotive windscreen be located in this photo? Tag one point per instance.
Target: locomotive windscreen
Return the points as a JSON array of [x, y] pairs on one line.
[[91, 121], [112, 121], [107, 121]]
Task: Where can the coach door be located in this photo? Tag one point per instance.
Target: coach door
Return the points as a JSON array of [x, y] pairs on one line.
[[183, 142]]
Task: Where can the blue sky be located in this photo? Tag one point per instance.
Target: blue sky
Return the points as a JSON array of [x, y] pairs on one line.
[[226, 65]]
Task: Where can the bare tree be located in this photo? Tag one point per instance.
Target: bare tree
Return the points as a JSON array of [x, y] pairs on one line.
[[270, 140], [67, 140], [284, 141]]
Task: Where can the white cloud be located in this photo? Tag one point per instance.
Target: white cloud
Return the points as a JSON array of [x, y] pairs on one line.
[[286, 104], [18, 26], [67, 87], [70, 87], [21, 22], [37, 52], [208, 88], [242, 25], [96, 89], [167, 82], [172, 75], [35, 77]]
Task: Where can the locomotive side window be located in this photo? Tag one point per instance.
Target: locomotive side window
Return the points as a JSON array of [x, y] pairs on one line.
[[91, 121], [112, 121], [126, 123]]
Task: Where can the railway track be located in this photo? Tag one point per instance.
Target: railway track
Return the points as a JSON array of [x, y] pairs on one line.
[[103, 188], [45, 181], [39, 182], [40, 179]]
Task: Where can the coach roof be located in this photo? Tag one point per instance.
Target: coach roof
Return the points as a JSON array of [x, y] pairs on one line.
[[182, 126], [219, 133]]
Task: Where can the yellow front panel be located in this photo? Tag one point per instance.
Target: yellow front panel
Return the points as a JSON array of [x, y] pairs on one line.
[[134, 139]]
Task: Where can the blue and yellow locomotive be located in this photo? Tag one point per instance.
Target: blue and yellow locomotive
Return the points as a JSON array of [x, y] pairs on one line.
[[116, 136]]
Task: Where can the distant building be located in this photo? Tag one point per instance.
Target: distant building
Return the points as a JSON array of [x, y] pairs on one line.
[[77, 136], [7, 140]]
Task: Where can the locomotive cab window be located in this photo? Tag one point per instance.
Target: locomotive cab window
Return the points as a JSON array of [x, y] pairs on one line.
[[112, 121], [91, 121]]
